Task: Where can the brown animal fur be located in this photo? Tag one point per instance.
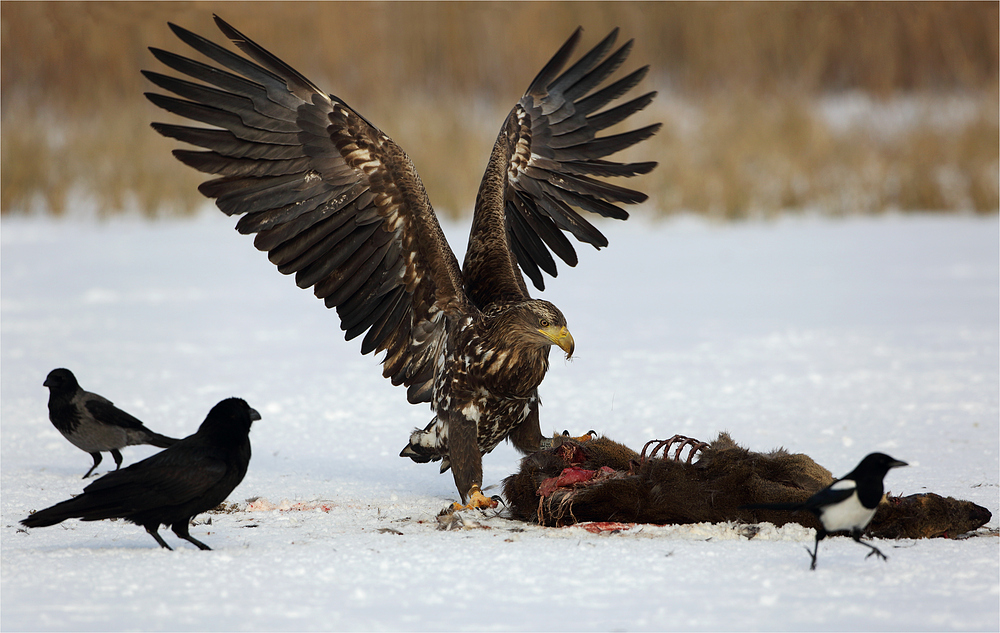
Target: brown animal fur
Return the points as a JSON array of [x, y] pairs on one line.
[[602, 480], [926, 516]]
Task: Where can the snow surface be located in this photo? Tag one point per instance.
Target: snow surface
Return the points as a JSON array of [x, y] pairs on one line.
[[830, 337]]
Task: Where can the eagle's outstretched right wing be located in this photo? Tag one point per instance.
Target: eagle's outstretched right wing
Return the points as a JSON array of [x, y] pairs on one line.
[[329, 196]]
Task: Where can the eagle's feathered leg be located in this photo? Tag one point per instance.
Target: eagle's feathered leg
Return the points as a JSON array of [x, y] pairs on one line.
[[527, 436], [466, 460]]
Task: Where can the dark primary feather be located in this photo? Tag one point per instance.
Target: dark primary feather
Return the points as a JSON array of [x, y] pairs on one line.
[[92, 423], [337, 203], [333, 201], [547, 153], [192, 476]]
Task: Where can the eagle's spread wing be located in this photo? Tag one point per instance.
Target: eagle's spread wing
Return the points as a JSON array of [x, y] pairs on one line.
[[544, 163], [329, 196]]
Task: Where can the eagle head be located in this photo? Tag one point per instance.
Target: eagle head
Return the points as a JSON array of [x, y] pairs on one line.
[[541, 323]]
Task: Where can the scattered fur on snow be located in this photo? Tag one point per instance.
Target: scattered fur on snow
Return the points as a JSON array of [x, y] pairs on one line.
[[601, 480]]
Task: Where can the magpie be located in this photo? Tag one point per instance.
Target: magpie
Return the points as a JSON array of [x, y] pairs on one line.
[[194, 475], [848, 504], [93, 423]]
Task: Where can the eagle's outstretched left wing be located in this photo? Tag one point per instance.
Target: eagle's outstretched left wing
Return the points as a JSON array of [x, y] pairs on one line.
[[547, 159]]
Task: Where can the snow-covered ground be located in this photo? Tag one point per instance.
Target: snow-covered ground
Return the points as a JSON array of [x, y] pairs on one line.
[[830, 337]]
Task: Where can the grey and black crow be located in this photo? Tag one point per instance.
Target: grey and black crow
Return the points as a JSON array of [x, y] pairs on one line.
[[192, 476], [93, 423], [847, 504]]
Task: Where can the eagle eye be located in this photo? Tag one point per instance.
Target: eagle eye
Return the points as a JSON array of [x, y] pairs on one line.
[[544, 323]]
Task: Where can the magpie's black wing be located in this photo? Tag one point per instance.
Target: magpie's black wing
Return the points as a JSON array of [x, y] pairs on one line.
[[831, 495]]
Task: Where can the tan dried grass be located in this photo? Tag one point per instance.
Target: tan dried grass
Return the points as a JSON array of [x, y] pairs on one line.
[[73, 116]]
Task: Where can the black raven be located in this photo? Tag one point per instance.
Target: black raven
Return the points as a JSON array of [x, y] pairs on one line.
[[192, 476], [847, 504], [93, 423]]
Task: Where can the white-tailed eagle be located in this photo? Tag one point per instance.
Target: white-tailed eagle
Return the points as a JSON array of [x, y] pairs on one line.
[[335, 201]]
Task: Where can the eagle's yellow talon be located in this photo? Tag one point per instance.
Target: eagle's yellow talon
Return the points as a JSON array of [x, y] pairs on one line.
[[477, 501], [586, 437]]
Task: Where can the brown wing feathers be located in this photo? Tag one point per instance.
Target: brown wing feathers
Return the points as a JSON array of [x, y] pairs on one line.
[[558, 153], [337, 203], [329, 197]]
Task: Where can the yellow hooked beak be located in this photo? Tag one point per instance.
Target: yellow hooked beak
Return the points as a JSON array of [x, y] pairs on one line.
[[559, 336]]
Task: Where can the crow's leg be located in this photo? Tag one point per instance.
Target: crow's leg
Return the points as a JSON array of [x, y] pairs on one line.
[[97, 460], [152, 529], [856, 535], [118, 458], [181, 529]]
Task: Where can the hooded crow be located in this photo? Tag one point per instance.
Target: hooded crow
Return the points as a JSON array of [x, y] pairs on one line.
[[192, 476], [848, 504], [93, 423]]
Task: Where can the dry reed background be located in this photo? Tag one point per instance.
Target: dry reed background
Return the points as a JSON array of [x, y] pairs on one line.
[[746, 96]]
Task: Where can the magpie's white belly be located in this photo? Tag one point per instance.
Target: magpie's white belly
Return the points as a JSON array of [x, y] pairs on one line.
[[847, 514]]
